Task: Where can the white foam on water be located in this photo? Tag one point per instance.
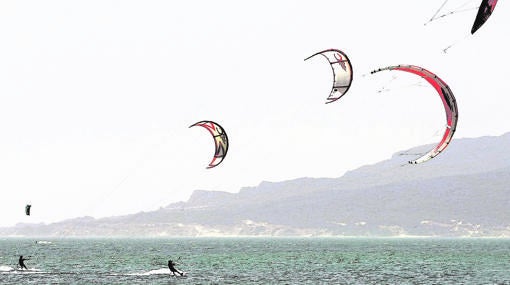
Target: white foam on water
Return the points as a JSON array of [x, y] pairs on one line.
[[15, 270], [165, 271], [5, 268]]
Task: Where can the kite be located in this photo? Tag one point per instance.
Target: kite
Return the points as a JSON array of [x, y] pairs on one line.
[[220, 141], [484, 12], [342, 72], [449, 102], [27, 209]]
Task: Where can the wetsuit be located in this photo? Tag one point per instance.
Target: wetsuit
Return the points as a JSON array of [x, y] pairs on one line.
[[21, 262], [172, 268]]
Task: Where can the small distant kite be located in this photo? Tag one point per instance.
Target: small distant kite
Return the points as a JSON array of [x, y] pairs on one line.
[[484, 12], [27, 209], [449, 102], [342, 72], [220, 141]]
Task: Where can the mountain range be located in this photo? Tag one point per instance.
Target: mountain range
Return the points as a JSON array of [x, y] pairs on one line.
[[463, 192]]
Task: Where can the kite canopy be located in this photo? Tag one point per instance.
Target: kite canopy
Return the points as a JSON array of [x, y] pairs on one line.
[[449, 102], [342, 72], [27, 209], [220, 141], [484, 12]]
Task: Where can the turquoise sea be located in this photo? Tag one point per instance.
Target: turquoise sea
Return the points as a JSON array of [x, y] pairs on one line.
[[257, 261]]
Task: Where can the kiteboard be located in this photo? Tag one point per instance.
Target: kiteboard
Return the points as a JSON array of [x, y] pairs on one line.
[[26, 270], [184, 274]]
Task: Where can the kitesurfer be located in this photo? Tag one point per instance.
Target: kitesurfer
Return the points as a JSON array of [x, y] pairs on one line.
[[172, 268], [22, 262]]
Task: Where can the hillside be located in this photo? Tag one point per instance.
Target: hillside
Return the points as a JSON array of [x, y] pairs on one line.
[[463, 192]]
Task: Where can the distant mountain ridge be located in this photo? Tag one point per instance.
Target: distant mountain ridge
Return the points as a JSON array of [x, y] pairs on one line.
[[463, 192]]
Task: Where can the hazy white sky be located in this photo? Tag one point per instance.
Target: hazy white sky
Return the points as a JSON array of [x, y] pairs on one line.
[[96, 96]]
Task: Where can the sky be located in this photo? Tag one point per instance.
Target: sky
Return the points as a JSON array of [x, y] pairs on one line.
[[96, 97]]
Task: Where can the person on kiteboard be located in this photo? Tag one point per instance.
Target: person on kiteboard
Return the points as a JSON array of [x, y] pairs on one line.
[[172, 268], [21, 262]]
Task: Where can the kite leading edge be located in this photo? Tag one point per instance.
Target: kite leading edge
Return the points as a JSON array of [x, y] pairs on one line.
[[342, 72], [449, 102], [220, 141]]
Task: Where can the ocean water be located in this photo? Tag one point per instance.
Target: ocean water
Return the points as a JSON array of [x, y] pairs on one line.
[[257, 261]]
